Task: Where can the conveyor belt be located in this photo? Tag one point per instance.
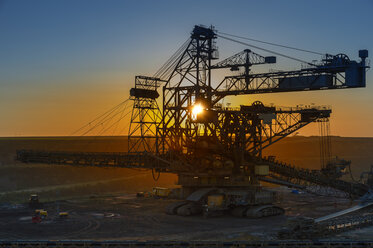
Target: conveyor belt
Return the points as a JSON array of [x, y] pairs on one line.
[[343, 212], [100, 159], [287, 173]]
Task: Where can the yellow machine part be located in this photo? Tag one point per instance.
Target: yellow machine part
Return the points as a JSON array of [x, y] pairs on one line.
[[43, 213], [161, 192], [215, 200], [261, 170], [38, 211], [63, 214]]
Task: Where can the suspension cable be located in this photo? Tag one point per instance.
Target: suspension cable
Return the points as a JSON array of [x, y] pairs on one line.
[[273, 44], [155, 178], [266, 50], [105, 120], [106, 129], [168, 64], [121, 114], [166, 74], [100, 117]]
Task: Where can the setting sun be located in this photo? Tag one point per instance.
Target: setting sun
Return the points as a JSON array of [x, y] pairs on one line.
[[197, 109]]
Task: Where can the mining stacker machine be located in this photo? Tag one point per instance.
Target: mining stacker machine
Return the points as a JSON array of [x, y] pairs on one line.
[[216, 150]]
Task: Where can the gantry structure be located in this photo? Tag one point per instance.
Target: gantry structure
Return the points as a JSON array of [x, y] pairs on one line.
[[180, 124]]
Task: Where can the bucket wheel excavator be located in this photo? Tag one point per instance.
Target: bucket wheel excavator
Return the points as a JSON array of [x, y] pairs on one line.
[[216, 149]]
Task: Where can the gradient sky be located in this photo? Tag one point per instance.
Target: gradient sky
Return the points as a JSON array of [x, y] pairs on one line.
[[64, 62]]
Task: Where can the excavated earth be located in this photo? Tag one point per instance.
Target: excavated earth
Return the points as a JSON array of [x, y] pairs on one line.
[[97, 213], [127, 217]]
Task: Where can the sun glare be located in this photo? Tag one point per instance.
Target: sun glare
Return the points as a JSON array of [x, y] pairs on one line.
[[196, 110]]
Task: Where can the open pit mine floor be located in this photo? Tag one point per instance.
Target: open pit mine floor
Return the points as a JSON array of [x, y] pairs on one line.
[[129, 218]]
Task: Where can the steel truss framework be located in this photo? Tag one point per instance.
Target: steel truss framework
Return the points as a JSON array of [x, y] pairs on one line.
[[193, 70], [306, 178], [271, 82], [230, 133], [146, 115]]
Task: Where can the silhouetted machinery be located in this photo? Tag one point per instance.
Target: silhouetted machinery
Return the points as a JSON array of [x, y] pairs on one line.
[[34, 201], [216, 150]]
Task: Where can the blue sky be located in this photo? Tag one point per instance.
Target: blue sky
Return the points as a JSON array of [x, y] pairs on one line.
[[64, 62]]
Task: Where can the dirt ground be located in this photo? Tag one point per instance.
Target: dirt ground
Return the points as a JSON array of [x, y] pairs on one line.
[[102, 203], [126, 217]]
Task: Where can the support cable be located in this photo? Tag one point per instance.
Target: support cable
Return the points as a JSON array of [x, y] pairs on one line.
[[267, 50], [100, 117], [273, 44], [166, 66], [168, 71], [121, 115], [105, 124], [106, 129], [106, 116], [351, 175], [155, 178], [109, 144], [105, 120]]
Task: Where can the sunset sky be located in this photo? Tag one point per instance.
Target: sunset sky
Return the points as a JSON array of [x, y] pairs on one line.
[[64, 62]]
